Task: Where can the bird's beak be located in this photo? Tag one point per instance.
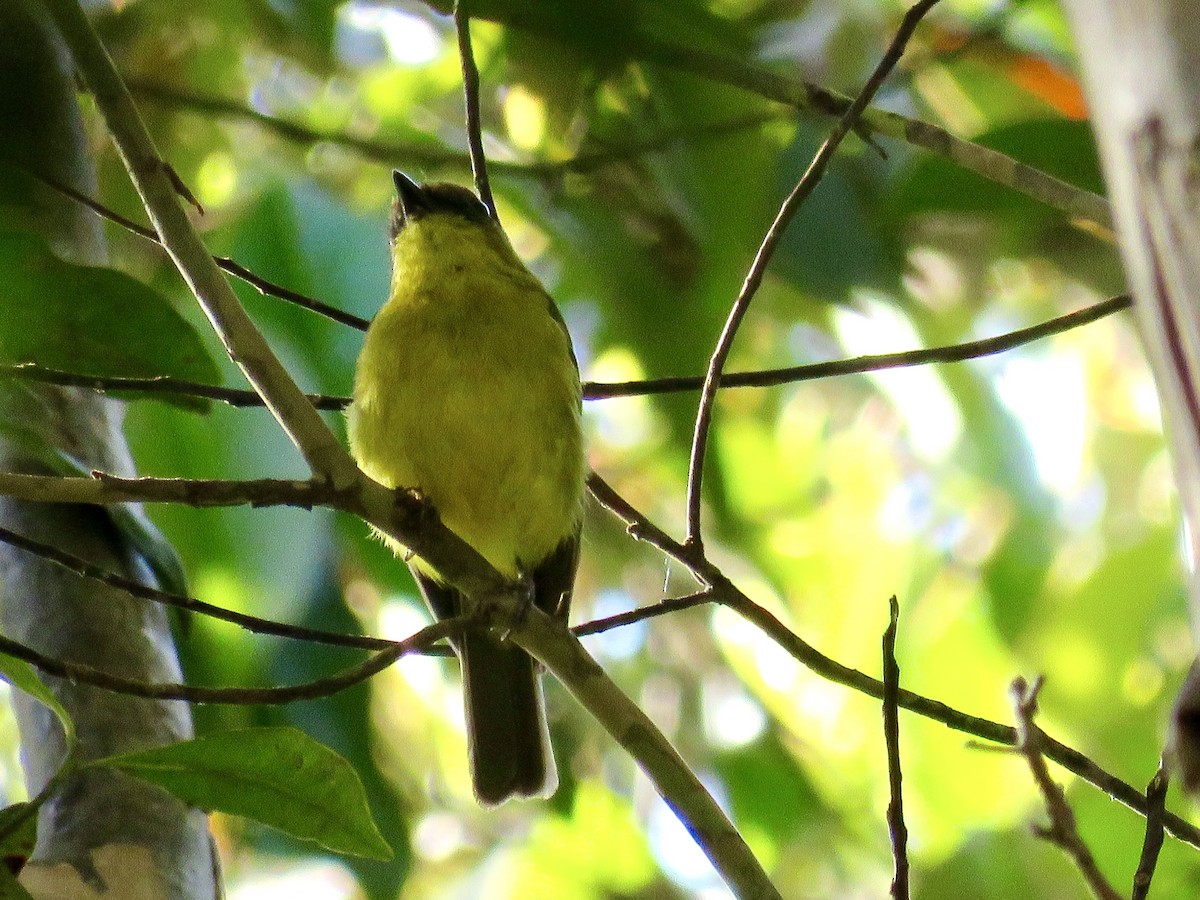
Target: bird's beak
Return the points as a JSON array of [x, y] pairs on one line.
[[411, 196]]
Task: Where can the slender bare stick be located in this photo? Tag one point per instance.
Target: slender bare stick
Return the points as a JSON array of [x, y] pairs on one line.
[[102, 489], [1062, 830], [134, 588], [949, 353], [166, 385], [891, 736], [594, 390], [228, 265], [662, 608], [1156, 808], [804, 187], [462, 26], [311, 690]]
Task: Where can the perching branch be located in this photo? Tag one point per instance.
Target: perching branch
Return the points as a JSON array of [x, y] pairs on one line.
[[562, 654]]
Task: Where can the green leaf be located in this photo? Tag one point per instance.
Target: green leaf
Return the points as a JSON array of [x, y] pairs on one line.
[[91, 320], [22, 675], [278, 776]]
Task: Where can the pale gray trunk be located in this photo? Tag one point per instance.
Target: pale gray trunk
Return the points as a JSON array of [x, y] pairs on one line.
[[1141, 69], [105, 834]]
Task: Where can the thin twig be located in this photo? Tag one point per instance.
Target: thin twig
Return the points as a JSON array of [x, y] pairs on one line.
[[1156, 808], [662, 608], [637, 526], [421, 155], [1062, 831], [470, 74], [85, 569], [311, 690], [949, 353], [800, 193], [102, 489], [158, 384], [891, 737], [270, 289], [235, 269]]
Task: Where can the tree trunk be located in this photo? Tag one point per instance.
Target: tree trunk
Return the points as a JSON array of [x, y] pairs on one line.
[[105, 834], [1141, 69]]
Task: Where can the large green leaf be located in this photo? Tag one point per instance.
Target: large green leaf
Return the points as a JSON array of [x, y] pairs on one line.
[[90, 320], [278, 776]]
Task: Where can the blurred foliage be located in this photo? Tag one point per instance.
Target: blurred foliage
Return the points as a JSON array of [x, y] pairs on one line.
[[1019, 506]]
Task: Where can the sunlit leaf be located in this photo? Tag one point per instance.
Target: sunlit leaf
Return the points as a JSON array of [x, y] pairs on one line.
[[277, 776]]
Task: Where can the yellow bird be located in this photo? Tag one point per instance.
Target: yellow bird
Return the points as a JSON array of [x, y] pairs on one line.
[[467, 391]]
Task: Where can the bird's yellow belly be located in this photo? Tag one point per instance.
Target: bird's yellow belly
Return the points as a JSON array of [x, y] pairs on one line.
[[480, 413]]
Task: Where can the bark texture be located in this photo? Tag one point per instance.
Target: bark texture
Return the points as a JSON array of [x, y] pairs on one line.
[[1141, 69], [105, 834]]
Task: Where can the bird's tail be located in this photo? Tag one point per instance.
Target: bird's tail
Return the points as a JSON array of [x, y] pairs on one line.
[[507, 736]]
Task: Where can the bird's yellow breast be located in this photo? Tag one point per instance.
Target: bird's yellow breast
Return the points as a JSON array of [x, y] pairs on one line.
[[467, 390]]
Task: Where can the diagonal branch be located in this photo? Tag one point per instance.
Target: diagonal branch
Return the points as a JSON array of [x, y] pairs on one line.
[[150, 175], [224, 263], [723, 591]]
